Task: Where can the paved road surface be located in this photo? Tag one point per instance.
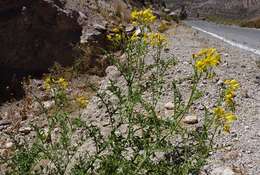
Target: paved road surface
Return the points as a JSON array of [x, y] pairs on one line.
[[244, 38]]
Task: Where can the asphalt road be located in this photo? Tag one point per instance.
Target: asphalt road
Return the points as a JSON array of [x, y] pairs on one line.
[[244, 38]]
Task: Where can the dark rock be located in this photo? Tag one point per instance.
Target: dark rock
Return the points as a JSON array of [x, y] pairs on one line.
[[36, 33], [166, 50], [183, 14]]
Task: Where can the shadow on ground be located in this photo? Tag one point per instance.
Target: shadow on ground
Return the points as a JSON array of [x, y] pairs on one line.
[[11, 86]]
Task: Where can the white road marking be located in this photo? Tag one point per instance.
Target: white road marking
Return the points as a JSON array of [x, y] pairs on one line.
[[241, 46]]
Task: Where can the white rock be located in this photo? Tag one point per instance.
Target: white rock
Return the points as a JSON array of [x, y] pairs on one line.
[[138, 32], [173, 15], [167, 10], [169, 106], [222, 171], [9, 145], [130, 29], [226, 55], [190, 119], [112, 72], [123, 57], [48, 104], [220, 82]]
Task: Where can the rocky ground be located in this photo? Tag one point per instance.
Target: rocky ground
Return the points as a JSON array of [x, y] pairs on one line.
[[238, 152], [239, 149]]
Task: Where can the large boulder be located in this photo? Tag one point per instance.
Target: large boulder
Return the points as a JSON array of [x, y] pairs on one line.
[[35, 33]]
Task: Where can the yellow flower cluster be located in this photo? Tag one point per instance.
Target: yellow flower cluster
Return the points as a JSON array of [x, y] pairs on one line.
[[155, 39], [116, 36], [206, 59], [50, 82], [82, 101], [143, 17], [232, 86], [62, 83], [227, 118]]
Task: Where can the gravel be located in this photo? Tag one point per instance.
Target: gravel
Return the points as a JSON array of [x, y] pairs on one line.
[[240, 148], [238, 152]]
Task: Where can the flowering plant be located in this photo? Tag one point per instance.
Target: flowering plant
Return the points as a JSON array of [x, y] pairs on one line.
[[138, 138]]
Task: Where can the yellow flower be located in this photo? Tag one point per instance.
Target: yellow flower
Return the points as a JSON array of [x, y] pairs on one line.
[[225, 118], [156, 39], [211, 51], [109, 37], [206, 59], [47, 83], [118, 37], [219, 112], [232, 84], [226, 128], [115, 37], [201, 53], [200, 65], [230, 117], [52, 83], [82, 101], [214, 60], [229, 97], [115, 30], [143, 17], [62, 83], [134, 37]]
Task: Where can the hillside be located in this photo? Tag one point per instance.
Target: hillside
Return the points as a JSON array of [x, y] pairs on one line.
[[225, 8]]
